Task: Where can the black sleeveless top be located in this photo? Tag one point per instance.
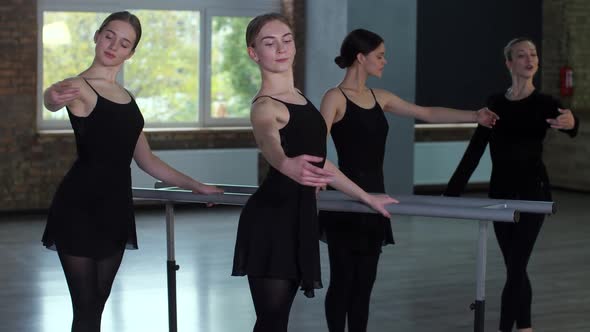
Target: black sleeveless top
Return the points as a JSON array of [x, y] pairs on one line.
[[359, 138], [278, 228], [91, 214]]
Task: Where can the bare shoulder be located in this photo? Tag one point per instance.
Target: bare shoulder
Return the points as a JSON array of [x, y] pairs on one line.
[[334, 93], [382, 93], [82, 84], [266, 109], [84, 105], [384, 96], [334, 99], [110, 90], [265, 104], [75, 81]]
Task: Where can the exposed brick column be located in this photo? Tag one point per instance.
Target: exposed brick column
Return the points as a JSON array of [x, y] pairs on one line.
[[25, 179], [295, 11], [566, 40]]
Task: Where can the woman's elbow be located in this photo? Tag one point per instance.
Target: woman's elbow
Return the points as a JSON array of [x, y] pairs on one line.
[[145, 162]]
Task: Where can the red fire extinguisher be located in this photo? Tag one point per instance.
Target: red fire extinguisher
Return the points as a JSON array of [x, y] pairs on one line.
[[566, 81]]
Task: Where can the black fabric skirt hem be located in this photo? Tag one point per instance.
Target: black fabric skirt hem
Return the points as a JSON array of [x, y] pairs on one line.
[[51, 245], [308, 290]]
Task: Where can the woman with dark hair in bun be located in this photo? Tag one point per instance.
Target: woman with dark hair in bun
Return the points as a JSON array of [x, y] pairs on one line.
[[354, 115]]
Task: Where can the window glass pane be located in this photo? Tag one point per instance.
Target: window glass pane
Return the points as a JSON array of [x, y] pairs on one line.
[[68, 48], [164, 72], [235, 78]]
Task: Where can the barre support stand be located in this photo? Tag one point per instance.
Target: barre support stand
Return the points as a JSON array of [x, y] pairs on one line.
[[171, 268]]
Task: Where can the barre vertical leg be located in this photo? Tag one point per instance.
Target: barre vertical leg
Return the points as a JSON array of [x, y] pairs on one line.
[[479, 305], [171, 267]]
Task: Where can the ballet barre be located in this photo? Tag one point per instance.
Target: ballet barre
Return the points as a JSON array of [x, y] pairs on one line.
[[478, 209]]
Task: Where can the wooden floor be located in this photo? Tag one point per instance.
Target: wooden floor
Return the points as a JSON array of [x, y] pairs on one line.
[[425, 283]]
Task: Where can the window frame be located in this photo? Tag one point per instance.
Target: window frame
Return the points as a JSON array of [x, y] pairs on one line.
[[207, 10]]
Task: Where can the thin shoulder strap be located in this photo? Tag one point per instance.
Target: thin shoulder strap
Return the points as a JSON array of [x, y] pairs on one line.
[[344, 94], [373, 93], [273, 98], [281, 101], [302, 95], [98, 94], [255, 99], [129, 93]]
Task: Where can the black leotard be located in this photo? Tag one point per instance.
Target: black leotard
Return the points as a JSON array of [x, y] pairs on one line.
[[278, 229], [92, 211]]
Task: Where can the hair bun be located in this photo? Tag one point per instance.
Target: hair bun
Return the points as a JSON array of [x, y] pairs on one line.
[[340, 61]]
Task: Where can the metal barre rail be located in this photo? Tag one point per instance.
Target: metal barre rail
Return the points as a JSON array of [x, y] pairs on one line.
[[542, 207], [483, 210], [431, 209]]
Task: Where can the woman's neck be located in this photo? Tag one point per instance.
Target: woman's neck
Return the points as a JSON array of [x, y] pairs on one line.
[[354, 79], [98, 71], [520, 89], [274, 84]]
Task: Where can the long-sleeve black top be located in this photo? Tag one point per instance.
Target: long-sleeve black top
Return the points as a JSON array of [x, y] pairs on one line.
[[516, 148]]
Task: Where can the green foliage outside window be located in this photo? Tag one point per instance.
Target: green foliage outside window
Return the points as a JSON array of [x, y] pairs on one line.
[[164, 72], [235, 77], [68, 48]]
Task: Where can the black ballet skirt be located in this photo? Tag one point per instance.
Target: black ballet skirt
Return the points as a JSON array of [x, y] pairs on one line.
[[359, 138], [91, 214], [278, 234]]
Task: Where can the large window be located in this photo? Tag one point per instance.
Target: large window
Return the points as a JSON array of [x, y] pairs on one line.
[[190, 68]]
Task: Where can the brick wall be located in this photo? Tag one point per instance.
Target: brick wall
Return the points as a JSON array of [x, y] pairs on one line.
[[294, 10], [18, 62], [32, 164], [566, 40]]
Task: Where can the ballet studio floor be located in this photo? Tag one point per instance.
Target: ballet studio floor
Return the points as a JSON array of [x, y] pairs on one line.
[[425, 282]]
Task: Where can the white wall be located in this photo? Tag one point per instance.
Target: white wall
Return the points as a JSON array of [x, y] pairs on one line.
[[223, 166], [434, 163], [395, 21]]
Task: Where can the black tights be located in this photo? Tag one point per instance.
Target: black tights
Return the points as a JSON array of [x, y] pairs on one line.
[[272, 302], [516, 242], [351, 282], [89, 281]]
